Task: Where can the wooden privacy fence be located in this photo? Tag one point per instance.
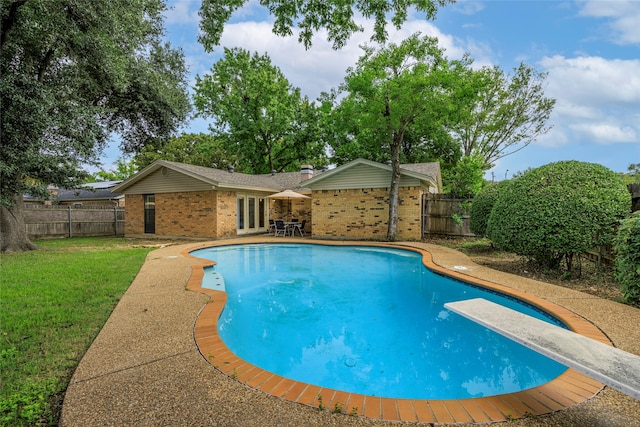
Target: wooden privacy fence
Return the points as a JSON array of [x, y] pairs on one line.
[[445, 214], [67, 221]]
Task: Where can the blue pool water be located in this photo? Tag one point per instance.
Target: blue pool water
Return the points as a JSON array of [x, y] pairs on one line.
[[366, 320]]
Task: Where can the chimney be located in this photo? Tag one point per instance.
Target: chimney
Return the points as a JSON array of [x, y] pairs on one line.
[[306, 172]]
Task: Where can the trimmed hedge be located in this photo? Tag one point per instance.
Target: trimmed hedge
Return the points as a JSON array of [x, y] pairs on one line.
[[481, 207], [626, 246], [558, 210]]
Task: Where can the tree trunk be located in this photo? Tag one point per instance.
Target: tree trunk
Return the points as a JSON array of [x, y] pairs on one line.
[[13, 234], [392, 230]]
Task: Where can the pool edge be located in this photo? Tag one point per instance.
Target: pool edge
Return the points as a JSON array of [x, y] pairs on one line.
[[565, 391]]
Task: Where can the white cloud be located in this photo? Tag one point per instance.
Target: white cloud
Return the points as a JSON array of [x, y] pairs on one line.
[[605, 132], [321, 67], [182, 12], [468, 7], [593, 80], [624, 16], [595, 97]]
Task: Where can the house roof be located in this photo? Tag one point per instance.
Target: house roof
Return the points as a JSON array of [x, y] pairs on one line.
[[89, 191], [429, 172], [80, 194], [222, 178]]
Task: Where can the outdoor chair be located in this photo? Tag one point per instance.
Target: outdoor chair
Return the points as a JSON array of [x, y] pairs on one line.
[[280, 228], [272, 226], [299, 227]]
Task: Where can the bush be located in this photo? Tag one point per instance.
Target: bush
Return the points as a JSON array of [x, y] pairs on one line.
[[558, 210], [481, 207], [626, 246]]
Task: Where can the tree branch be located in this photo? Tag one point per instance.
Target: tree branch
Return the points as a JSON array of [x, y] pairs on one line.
[[9, 20]]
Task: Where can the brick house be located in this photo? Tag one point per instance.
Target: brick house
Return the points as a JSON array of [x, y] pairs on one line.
[[169, 199], [352, 201]]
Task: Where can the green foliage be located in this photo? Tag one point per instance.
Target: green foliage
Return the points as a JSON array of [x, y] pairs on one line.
[[388, 94], [73, 73], [55, 311], [337, 17], [481, 207], [262, 121], [394, 102], [557, 211], [29, 405], [194, 149], [627, 264], [494, 114], [68, 80], [465, 179], [124, 169], [633, 174]]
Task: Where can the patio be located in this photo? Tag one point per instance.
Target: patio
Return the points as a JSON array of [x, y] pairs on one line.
[[154, 374]]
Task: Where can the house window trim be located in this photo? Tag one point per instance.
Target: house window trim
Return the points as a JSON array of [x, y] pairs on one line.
[[258, 222]]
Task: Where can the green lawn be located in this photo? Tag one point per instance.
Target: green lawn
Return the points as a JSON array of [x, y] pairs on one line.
[[53, 303]]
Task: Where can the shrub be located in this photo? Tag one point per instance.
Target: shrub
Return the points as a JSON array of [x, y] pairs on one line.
[[558, 210], [626, 246], [481, 207]]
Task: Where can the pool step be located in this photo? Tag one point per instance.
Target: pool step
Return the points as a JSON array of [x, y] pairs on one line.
[[213, 280], [609, 365]]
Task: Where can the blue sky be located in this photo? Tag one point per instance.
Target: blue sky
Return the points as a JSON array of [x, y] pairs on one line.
[[590, 50]]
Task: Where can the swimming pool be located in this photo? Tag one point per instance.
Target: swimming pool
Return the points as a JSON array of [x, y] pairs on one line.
[[297, 310]]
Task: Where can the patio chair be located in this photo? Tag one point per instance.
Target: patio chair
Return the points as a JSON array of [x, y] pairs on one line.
[[272, 226], [299, 227], [280, 228]]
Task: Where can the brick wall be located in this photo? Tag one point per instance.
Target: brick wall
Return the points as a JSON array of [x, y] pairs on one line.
[[363, 213], [186, 214], [198, 214], [226, 209], [134, 214]]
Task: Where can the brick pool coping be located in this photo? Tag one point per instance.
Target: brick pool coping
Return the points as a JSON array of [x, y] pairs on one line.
[[568, 389]]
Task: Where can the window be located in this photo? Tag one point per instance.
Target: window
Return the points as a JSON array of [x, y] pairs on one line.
[[150, 213], [241, 209]]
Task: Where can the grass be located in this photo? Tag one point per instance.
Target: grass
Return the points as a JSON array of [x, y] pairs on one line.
[[53, 303]]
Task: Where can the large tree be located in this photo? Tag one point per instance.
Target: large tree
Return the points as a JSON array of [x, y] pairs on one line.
[[337, 17], [494, 114], [73, 73], [261, 118], [391, 91]]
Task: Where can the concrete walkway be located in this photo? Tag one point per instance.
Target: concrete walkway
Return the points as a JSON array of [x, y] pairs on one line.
[[144, 368]]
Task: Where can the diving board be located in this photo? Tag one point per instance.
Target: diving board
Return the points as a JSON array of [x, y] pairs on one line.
[[606, 364]]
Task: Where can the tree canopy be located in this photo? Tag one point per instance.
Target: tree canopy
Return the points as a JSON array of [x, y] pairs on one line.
[[260, 118], [337, 17], [73, 73], [495, 114], [390, 92], [195, 149]]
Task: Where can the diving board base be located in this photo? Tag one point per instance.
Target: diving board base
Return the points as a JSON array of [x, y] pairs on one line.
[[609, 365]]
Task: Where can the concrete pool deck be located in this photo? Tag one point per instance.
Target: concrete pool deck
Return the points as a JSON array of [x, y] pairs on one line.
[[145, 366]]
